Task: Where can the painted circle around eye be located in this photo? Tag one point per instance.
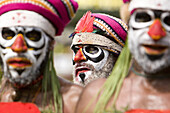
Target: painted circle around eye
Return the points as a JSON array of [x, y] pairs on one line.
[[97, 51], [164, 18], [75, 49], [144, 24], [142, 17], [91, 49], [97, 57], [7, 34], [34, 35], [39, 43]]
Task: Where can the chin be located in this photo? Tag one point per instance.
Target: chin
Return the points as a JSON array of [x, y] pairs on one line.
[[26, 78], [152, 66]]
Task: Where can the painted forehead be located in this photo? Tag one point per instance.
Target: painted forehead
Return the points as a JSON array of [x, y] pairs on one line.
[[151, 4], [156, 12]]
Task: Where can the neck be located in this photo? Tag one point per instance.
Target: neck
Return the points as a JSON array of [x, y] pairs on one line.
[[158, 82], [136, 68], [18, 93], [32, 84]]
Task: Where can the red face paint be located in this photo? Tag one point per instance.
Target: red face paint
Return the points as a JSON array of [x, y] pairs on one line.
[[19, 44], [79, 56], [156, 31]]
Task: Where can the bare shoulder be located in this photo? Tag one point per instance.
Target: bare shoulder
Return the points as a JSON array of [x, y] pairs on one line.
[[69, 87], [94, 86], [88, 98], [70, 93]]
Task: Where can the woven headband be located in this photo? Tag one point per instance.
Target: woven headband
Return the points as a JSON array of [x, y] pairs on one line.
[[57, 12], [100, 29]]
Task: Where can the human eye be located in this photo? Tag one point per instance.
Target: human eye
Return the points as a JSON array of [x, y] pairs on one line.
[[142, 17], [91, 49], [75, 49], [33, 35], [7, 33]]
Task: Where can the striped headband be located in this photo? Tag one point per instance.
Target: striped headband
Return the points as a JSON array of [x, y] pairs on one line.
[[57, 12], [101, 29], [125, 1]]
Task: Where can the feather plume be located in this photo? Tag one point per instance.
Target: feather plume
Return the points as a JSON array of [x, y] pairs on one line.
[[85, 24]]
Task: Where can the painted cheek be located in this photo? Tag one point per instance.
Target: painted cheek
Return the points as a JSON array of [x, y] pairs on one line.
[[79, 56], [19, 45], [156, 31]]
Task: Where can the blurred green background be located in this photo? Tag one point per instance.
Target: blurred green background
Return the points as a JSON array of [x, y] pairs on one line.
[[97, 6], [63, 53]]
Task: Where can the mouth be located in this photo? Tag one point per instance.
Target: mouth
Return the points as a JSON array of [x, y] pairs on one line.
[[81, 70], [155, 49], [19, 62]]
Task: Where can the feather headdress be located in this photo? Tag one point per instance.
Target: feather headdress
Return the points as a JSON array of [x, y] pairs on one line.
[[85, 24]]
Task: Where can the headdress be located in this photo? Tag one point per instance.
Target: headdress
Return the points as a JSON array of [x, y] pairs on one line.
[[50, 15], [102, 30]]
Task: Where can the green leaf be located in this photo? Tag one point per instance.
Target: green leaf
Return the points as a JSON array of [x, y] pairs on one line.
[[114, 82]]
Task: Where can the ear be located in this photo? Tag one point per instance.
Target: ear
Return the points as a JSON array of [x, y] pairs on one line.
[[51, 44], [124, 12]]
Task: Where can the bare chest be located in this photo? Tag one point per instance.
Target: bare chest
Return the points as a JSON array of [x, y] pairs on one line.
[[137, 93]]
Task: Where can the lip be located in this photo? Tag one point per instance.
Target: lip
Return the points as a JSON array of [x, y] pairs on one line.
[[81, 70], [19, 62], [153, 49]]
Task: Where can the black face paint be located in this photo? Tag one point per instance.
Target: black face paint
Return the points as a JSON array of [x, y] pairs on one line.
[[7, 34], [82, 76], [144, 17], [93, 53]]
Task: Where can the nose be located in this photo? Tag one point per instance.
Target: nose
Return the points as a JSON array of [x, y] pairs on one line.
[[156, 30], [79, 56], [19, 45]]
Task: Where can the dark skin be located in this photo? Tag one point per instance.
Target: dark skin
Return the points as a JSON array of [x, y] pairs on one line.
[[69, 91], [136, 92]]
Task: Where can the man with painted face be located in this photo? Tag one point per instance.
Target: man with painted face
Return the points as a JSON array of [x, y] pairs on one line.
[[147, 84], [149, 44], [97, 42], [27, 31]]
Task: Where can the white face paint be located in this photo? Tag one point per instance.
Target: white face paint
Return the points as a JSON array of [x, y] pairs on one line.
[[23, 50], [152, 55], [90, 63]]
